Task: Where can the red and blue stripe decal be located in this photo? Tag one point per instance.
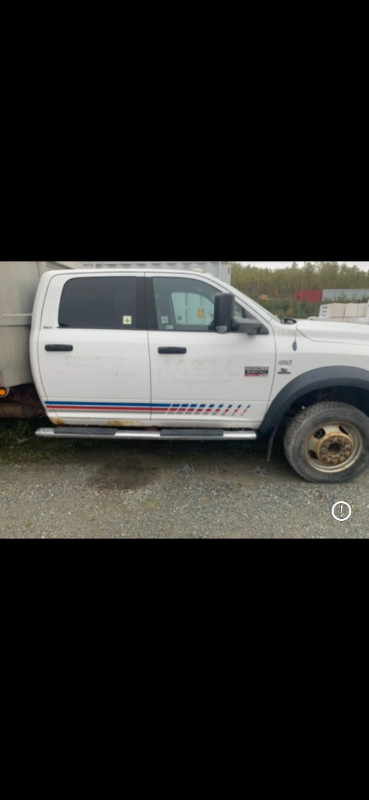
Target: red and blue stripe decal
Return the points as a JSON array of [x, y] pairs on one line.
[[230, 409], [56, 405]]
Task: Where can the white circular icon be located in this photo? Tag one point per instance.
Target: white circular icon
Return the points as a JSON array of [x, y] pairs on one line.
[[341, 511]]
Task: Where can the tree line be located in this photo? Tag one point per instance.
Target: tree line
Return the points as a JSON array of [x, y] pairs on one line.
[[275, 289]]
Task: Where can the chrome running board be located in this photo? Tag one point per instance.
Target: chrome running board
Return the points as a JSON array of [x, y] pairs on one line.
[[174, 434]]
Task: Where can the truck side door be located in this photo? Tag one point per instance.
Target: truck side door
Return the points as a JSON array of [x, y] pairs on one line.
[[198, 375], [92, 363]]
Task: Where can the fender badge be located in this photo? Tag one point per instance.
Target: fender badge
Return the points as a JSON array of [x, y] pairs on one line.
[[252, 372]]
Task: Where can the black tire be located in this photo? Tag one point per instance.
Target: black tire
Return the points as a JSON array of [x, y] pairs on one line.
[[328, 443]]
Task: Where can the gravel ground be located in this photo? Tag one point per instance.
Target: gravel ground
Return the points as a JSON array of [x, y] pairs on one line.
[[145, 490]]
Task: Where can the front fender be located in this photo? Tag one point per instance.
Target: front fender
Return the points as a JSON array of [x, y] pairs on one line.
[[322, 378]]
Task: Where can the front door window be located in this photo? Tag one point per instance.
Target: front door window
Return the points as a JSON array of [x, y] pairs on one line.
[[184, 304]]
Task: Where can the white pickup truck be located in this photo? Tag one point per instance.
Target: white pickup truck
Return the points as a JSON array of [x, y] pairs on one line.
[[146, 354]]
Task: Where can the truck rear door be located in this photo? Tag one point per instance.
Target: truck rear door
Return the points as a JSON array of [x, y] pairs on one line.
[[92, 364]]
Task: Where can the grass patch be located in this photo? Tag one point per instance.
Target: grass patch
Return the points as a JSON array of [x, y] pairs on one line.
[[19, 444]]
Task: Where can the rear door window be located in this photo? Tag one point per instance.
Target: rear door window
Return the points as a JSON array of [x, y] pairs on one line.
[[104, 302]]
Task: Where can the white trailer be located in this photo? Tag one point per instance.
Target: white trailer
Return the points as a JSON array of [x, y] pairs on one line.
[[18, 285], [219, 269], [345, 312]]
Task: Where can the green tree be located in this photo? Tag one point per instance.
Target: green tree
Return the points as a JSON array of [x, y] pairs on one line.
[[281, 285]]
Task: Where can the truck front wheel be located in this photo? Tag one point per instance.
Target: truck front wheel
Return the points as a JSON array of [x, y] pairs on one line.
[[328, 443]]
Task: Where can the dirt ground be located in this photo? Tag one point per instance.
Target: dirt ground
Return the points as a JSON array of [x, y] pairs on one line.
[[93, 489]]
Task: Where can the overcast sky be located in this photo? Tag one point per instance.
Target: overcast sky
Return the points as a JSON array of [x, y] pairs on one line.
[[282, 264]]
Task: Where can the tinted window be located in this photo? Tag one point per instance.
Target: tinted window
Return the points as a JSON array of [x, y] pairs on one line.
[[100, 302]]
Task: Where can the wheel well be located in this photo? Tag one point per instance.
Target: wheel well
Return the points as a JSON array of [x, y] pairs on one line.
[[347, 385], [344, 394]]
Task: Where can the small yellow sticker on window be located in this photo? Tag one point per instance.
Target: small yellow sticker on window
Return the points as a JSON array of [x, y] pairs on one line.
[[201, 313]]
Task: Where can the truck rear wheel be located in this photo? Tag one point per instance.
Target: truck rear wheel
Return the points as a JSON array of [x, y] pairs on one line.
[[328, 443]]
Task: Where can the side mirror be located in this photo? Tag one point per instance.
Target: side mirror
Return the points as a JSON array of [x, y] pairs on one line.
[[223, 312], [250, 326]]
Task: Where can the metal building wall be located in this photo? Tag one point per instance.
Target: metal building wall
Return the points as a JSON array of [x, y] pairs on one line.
[[331, 295]]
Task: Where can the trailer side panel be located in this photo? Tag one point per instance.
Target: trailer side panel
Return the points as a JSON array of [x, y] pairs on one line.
[[18, 284]]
